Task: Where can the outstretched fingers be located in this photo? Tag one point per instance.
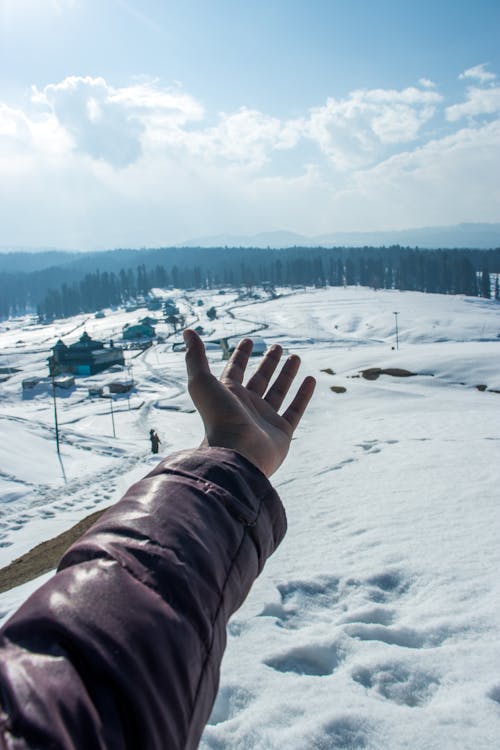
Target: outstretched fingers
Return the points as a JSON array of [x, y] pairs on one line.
[[235, 368], [259, 381], [296, 410]]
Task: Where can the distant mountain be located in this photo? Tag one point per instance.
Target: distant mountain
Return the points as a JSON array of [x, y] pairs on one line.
[[472, 235], [42, 260], [262, 239], [32, 259]]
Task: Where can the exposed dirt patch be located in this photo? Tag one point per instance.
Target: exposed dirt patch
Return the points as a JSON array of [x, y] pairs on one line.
[[372, 373], [481, 387], [338, 388], [44, 556], [328, 371]]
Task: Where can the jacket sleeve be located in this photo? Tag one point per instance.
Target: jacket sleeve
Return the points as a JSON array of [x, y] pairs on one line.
[[122, 647]]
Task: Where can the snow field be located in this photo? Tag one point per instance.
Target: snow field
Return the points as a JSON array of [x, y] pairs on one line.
[[376, 624]]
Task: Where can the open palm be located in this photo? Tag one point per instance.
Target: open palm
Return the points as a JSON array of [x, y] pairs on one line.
[[245, 417]]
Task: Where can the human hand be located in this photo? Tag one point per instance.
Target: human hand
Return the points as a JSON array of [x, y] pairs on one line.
[[245, 418]]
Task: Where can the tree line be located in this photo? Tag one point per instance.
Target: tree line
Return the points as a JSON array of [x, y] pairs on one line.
[[71, 288]]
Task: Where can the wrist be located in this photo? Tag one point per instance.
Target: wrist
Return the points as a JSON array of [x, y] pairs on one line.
[[227, 441]]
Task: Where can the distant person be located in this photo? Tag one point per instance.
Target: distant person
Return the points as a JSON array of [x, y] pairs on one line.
[[122, 647], [155, 441]]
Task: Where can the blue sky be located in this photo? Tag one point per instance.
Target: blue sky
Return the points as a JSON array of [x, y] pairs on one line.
[[126, 123]]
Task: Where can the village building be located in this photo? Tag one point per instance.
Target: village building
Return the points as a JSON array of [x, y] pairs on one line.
[[85, 357], [142, 330], [36, 386], [149, 320], [121, 386], [154, 303], [228, 345], [170, 308]]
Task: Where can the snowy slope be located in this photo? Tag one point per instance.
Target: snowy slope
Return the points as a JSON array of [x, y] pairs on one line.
[[377, 622]]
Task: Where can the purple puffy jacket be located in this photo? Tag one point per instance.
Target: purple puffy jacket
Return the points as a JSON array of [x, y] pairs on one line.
[[122, 647]]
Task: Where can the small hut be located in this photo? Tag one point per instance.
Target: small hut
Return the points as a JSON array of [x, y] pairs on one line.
[[141, 330], [228, 345]]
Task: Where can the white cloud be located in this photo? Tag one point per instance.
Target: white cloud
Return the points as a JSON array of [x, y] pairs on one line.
[[99, 125], [92, 165], [426, 83], [118, 125], [446, 181], [478, 102], [148, 98], [246, 137], [478, 72], [109, 123], [350, 131], [20, 134], [13, 124]]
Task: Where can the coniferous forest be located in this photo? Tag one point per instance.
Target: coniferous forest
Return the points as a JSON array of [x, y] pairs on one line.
[[58, 284]]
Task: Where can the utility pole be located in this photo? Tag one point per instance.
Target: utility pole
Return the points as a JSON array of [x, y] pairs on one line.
[[112, 415], [397, 333], [52, 375]]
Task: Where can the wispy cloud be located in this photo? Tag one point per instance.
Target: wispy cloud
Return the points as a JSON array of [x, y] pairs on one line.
[[478, 102], [140, 16], [479, 73]]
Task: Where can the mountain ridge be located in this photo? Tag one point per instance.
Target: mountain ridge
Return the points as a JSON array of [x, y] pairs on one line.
[[473, 235]]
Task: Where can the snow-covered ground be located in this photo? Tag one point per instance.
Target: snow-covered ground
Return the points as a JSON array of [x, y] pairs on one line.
[[377, 622]]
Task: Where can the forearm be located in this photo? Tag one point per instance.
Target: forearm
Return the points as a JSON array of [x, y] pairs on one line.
[[129, 635]]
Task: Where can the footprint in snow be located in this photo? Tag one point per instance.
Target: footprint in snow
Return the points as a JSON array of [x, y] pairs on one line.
[[387, 585], [343, 733], [231, 700], [397, 683], [303, 600], [370, 616], [398, 636], [298, 598], [375, 446], [494, 693], [316, 660], [368, 445], [336, 467]]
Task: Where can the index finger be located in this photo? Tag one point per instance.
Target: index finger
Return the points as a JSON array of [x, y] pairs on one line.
[[196, 359]]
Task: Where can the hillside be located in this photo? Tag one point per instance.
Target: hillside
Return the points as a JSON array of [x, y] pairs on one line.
[[377, 622]]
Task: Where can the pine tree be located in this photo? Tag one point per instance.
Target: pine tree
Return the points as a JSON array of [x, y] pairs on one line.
[[485, 283]]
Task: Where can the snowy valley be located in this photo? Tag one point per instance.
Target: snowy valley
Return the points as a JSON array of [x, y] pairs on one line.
[[377, 622]]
